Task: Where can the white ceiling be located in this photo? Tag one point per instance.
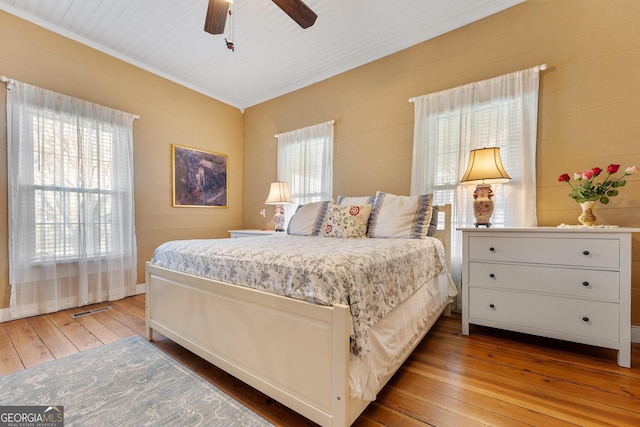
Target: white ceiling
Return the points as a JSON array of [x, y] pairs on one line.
[[273, 55]]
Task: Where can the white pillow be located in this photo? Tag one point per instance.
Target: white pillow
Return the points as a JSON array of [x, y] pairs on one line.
[[345, 221], [406, 217], [308, 219], [360, 200]]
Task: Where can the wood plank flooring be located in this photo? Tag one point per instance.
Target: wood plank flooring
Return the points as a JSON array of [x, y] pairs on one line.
[[490, 378]]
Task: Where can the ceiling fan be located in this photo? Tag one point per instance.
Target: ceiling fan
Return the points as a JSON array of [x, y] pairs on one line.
[[218, 10]]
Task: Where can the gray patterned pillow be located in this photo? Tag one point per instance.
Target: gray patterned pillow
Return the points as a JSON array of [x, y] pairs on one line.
[[433, 224]]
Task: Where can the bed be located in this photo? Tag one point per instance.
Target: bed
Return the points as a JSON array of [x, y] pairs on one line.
[[303, 346]]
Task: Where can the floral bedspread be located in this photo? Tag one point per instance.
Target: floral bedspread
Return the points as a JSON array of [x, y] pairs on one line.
[[372, 276]]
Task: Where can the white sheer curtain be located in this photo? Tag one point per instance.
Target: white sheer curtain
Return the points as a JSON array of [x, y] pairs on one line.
[[498, 112], [305, 163], [71, 214]]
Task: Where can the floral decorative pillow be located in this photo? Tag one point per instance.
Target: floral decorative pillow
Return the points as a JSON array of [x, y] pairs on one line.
[[346, 221]]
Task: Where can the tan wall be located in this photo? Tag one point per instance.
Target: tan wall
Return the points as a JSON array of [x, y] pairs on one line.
[[169, 114], [589, 106]]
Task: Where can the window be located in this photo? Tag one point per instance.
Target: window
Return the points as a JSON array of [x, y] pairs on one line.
[[305, 163], [72, 188], [446, 179], [71, 214], [499, 112]]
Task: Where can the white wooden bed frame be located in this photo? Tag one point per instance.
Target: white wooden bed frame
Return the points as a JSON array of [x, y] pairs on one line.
[[293, 351]]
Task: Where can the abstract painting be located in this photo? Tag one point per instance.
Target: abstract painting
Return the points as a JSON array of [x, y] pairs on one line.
[[199, 178]]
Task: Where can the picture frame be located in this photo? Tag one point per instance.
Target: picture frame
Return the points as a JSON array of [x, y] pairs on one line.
[[199, 178]]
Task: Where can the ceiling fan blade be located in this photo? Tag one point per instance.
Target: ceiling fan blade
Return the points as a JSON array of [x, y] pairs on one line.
[[217, 12], [298, 11]]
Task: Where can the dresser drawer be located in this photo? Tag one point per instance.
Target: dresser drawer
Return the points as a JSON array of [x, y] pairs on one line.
[[592, 284], [557, 317], [595, 252]]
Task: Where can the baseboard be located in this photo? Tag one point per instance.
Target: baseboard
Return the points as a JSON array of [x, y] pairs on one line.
[[635, 333], [5, 313]]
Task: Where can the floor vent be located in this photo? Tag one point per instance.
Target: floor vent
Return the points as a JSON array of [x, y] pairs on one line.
[[89, 312]]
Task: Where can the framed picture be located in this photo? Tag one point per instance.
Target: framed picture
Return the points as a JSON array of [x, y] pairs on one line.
[[199, 178]]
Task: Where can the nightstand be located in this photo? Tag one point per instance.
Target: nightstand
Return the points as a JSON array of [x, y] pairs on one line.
[[251, 233], [571, 284]]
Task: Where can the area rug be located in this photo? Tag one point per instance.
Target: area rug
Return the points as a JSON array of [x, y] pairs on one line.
[[126, 383]]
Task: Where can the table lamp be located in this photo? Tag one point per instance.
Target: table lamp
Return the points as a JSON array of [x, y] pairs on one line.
[[485, 167], [278, 195]]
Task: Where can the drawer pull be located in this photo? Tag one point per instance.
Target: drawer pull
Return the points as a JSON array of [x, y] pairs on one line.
[[492, 306], [585, 253], [492, 249], [586, 284], [492, 275], [585, 318]]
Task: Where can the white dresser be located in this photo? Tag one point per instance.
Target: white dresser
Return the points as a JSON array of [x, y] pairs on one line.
[[565, 283]]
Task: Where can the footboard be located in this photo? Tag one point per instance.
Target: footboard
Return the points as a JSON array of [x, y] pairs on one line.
[[293, 351]]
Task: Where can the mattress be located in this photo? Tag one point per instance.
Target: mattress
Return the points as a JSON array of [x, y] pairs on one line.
[[372, 276]]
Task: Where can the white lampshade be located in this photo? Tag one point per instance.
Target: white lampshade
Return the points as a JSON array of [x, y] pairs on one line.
[[485, 166], [278, 194]]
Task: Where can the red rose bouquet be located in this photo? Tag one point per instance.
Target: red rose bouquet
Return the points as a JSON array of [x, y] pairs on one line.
[[587, 188]]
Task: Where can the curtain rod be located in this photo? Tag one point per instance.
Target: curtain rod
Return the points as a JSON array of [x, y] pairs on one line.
[[9, 82], [541, 67], [331, 122]]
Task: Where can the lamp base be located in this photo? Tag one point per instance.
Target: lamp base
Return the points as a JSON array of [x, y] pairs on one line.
[[486, 224], [483, 205], [278, 218]]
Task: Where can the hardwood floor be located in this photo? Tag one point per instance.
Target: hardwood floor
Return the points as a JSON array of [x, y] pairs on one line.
[[488, 378]]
